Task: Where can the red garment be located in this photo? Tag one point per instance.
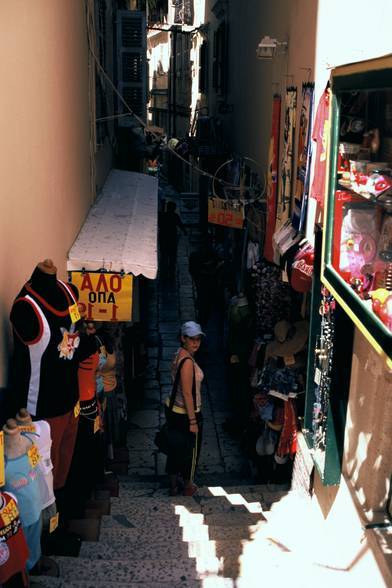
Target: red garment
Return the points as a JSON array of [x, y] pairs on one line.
[[13, 547], [272, 179], [288, 437], [86, 377], [63, 430], [321, 137]]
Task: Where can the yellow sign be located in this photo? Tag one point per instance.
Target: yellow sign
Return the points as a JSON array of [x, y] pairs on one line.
[[34, 456], [2, 467], [10, 512], [225, 213], [74, 313], [104, 296], [97, 424], [53, 522], [77, 409]]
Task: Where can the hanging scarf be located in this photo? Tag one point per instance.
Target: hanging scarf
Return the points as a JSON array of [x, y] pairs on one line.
[[288, 438], [284, 200], [272, 178], [303, 158]]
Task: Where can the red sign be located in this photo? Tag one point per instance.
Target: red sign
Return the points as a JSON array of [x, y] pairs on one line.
[[226, 213]]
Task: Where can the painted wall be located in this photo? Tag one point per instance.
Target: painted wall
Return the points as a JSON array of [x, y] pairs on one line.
[[44, 141]]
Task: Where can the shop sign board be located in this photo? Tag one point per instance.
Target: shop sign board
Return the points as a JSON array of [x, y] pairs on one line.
[[104, 296], [227, 213]]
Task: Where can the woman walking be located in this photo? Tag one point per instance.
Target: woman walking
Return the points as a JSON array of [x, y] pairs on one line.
[[183, 412]]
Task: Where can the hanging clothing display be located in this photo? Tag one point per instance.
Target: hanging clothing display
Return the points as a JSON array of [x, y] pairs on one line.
[[284, 200], [272, 298], [13, 547], [304, 158], [272, 178], [320, 136]]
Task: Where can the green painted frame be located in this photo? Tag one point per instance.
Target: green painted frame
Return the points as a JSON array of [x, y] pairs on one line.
[[375, 75]]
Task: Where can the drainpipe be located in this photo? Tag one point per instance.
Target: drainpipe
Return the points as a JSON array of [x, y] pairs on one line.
[[174, 81]]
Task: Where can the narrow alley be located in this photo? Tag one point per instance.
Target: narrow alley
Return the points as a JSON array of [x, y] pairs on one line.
[[232, 532]]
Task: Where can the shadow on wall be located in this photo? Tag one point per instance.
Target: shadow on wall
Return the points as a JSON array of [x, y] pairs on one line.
[[368, 460]]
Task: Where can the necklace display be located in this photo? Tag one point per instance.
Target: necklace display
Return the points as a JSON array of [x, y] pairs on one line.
[[323, 365]]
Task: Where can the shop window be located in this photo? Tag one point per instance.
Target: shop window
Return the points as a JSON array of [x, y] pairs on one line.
[[357, 266], [219, 66], [203, 68], [132, 63]]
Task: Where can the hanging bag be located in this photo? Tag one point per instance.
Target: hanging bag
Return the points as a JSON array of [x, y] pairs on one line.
[[168, 439]]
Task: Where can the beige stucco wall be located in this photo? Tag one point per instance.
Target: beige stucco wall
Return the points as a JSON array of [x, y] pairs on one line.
[[44, 140]]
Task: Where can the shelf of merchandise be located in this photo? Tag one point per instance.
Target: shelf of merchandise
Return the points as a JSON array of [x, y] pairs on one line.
[[373, 75]]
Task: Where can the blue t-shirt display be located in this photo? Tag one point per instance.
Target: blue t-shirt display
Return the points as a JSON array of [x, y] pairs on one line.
[[21, 478]]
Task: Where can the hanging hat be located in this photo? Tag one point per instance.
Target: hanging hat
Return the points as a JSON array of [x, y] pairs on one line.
[[265, 444], [290, 338]]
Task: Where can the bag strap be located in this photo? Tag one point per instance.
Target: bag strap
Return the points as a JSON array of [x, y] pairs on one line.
[[175, 384]]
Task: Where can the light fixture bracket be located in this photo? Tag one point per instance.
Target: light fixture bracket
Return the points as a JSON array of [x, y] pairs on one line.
[[269, 48]]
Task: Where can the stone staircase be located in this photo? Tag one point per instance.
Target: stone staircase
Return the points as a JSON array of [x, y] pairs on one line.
[[219, 537]]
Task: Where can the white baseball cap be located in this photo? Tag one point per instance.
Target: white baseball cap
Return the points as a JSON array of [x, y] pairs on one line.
[[191, 329]]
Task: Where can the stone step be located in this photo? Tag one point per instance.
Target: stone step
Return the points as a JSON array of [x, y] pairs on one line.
[[117, 550], [133, 506], [195, 532], [105, 550], [140, 521], [147, 570], [46, 582]]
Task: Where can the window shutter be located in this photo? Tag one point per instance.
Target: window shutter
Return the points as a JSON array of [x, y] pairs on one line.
[[132, 63], [203, 68]]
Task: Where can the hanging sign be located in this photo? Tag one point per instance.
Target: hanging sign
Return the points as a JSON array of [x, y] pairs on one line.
[[104, 296], [227, 213]]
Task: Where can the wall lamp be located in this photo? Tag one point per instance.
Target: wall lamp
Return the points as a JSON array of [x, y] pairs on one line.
[[268, 48]]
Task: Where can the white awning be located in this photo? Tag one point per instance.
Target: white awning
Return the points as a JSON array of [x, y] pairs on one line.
[[120, 231]]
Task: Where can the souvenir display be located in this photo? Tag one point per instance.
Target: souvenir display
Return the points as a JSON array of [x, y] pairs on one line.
[[22, 479], [271, 297], [281, 380], [304, 158], [302, 268], [14, 551], [272, 178], [284, 199], [39, 433], [359, 253], [323, 359], [47, 350], [320, 136]]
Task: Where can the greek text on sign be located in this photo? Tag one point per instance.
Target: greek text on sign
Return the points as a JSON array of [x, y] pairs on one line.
[[226, 213], [104, 296]]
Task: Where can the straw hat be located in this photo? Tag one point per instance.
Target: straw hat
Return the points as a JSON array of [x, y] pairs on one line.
[[290, 338]]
